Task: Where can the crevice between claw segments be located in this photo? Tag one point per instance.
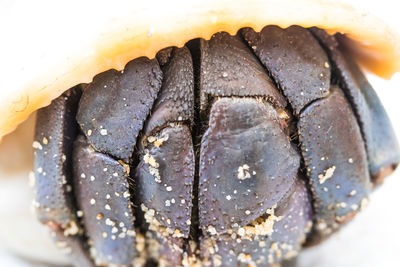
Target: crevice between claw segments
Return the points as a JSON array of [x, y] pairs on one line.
[[140, 223], [202, 122], [197, 133], [294, 137], [141, 227], [70, 195], [268, 72], [76, 244], [337, 80]]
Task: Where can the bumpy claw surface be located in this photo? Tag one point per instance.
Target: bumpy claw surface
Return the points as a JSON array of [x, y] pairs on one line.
[[234, 151], [228, 68], [114, 106], [247, 164], [295, 60], [54, 136], [54, 201], [380, 141], [266, 240], [165, 178], [102, 194], [165, 173], [335, 159], [175, 102]]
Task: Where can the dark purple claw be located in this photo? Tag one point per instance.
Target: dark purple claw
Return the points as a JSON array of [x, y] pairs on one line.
[[165, 173], [247, 164], [295, 60], [277, 236], [164, 180], [381, 143], [102, 193], [335, 159], [228, 68], [56, 130], [176, 100], [114, 106]]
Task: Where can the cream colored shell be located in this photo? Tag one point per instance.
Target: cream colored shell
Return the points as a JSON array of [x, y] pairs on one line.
[[49, 46]]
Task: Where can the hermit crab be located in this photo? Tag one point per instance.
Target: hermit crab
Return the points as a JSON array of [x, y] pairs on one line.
[[214, 135]]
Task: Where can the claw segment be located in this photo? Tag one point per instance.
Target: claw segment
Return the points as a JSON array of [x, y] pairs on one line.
[[165, 173], [228, 68], [55, 132], [115, 105], [335, 159], [247, 164], [249, 247], [381, 143], [102, 192], [295, 60], [176, 100], [164, 180]]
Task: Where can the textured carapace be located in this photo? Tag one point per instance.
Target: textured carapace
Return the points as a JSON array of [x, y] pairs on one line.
[[235, 151]]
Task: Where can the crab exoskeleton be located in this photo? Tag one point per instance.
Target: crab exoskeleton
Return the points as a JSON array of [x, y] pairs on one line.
[[234, 151]]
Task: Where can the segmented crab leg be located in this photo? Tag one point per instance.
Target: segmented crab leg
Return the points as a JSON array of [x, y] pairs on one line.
[[111, 114], [296, 61], [381, 144], [115, 105], [55, 132], [248, 167], [335, 159], [228, 68], [102, 193], [165, 173], [247, 164], [330, 138], [288, 222]]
